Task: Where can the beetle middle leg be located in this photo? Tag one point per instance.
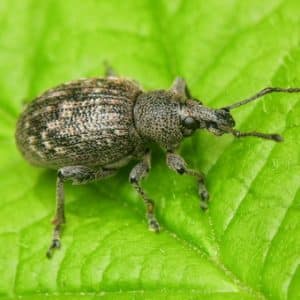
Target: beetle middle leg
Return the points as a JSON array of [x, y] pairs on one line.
[[135, 177], [178, 164], [79, 175]]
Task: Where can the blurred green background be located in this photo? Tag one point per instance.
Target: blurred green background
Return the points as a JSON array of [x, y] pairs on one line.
[[247, 244]]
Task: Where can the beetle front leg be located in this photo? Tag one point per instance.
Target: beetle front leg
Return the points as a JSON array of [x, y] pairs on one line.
[[180, 87], [135, 177], [79, 175], [178, 164]]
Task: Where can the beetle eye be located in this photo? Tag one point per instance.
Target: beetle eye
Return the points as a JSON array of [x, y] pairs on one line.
[[190, 123]]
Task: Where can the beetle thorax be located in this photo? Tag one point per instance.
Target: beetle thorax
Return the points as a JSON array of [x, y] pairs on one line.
[[156, 117]]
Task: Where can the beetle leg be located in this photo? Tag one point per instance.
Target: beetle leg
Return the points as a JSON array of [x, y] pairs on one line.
[[59, 218], [109, 70], [180, 87], [82, 174], [136, 175], [178, 164], [79, 175]]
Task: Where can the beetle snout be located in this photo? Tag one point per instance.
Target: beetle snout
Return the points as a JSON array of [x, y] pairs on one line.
[[225, 118]]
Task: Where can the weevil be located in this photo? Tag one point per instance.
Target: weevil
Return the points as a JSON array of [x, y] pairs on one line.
[[89, 128]]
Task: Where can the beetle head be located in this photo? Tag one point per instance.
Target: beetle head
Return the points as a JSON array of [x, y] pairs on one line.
[[166, 117], [195, 116], [218, 121]]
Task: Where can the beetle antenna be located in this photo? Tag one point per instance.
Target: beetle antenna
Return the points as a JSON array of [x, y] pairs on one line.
[[272, 136], [262, 93]]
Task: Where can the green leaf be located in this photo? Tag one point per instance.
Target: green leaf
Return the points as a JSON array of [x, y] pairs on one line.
[[246, 246]]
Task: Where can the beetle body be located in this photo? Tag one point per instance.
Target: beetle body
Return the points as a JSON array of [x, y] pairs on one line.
[[87, 122], [89, 128]]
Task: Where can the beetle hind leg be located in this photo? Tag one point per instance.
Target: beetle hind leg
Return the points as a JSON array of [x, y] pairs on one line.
[[59, 218], [109, 70], [135, 177], [79, 175]]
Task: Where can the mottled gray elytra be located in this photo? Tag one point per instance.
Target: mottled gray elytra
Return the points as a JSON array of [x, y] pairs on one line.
[[89, 128]]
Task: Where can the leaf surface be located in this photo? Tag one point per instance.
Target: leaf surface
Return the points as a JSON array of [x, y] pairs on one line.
[[246, 246]]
